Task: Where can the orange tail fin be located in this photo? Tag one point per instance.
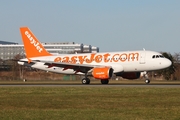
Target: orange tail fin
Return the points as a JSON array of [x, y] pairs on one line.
[[32, 46]]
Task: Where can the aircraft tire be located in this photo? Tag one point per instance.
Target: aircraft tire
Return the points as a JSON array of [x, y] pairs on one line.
[[147, 81], [104, 81], [85, 81]]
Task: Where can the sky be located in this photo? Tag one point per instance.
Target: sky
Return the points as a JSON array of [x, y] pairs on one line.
[[111, 25]]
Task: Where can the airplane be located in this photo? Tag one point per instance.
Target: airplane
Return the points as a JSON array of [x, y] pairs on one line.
[[102, 66]]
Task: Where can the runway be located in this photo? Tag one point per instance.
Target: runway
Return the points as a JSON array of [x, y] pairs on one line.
[[125, 83], [80, 85]]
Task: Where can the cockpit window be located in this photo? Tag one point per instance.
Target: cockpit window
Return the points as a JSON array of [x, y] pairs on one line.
[[157, 56], [161, 56]]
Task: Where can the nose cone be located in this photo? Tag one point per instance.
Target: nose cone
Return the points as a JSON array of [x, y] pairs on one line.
[[167, 63]]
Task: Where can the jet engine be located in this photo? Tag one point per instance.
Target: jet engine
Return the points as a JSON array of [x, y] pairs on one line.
[[102, 72]]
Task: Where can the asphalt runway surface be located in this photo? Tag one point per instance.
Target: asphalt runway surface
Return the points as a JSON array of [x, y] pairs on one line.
[[94, 85], [134, 83]]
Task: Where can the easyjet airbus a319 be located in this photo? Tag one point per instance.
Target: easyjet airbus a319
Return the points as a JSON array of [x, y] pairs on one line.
[[102, 66]]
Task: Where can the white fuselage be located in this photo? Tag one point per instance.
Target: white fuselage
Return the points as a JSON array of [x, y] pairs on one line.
[[127, 61]]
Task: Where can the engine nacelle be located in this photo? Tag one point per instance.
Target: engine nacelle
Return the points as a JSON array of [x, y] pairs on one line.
[[131, 75], [102, 72]]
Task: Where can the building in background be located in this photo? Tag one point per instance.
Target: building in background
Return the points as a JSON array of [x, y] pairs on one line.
[[10, 49]]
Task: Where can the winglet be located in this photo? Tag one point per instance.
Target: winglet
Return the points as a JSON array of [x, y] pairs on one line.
[[32, 46]]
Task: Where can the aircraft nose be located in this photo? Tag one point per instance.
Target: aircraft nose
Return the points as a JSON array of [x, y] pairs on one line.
[[167, 63]]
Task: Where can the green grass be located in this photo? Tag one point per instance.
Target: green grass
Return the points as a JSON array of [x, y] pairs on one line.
[[89, 103]]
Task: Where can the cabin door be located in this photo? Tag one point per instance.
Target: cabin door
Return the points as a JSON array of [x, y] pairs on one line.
[[142, 57]]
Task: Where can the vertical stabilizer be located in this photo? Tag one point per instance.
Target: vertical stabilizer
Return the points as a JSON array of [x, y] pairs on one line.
[[32, 46]]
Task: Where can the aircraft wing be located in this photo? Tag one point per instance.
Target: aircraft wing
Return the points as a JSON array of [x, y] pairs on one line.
[[84, 68], [76, 67]]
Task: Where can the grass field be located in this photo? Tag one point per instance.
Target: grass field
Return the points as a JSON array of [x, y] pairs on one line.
[[89, 103]]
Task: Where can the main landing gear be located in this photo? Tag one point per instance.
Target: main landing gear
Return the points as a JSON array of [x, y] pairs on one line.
[[87, 81], [147, 81], [106, 81]]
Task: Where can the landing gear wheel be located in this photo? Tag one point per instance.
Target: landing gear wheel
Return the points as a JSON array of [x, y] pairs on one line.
[[104, 81], [147, 81], [85, 81]]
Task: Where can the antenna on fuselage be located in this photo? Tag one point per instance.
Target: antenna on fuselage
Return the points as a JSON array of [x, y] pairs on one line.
[[144, 49]]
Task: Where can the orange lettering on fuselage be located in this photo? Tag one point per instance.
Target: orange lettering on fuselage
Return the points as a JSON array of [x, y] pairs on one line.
[[81, 59], [73, 59], [115, 57], [66, 59], [123, 57], [99, 58], [58, 59], [91, 58], [106, 57]]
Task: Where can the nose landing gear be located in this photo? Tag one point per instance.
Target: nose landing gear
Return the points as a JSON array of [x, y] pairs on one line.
[[147, 81]]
